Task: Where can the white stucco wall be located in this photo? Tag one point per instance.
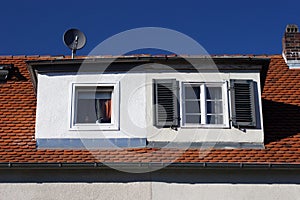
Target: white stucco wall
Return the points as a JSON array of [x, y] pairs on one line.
[[225, 191], [147, 191], [136, 110], [75, 191], [222, 183]]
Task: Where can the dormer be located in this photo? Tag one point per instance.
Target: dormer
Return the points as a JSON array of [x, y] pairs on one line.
[[128, 102]]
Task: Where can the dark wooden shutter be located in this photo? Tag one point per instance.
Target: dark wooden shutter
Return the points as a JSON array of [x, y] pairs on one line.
[[166, 103], [243, 103]]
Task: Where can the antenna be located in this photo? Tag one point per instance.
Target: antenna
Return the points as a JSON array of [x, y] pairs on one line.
[[74, 39]]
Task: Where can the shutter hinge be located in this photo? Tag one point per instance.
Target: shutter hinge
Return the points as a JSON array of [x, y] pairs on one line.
[[173, 127]]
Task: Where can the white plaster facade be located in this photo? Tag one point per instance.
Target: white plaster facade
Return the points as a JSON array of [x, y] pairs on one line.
[[54, 107], [225, 184], [148, 191]]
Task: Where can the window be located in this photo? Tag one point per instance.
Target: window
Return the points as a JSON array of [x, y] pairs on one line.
[[204, 104], [95, 106]]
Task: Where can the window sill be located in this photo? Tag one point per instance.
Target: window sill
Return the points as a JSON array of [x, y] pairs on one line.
[[205, 126], [94, 127]]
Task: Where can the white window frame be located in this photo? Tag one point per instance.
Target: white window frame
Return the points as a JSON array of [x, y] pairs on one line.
[[224, 86], [115, 107]]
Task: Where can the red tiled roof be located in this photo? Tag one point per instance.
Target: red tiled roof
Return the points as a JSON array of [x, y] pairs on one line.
[[281, 112]]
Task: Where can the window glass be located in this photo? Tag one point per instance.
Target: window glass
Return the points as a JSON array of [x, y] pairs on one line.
[[203, 104], [192, 92], [213, 92], [214, 119], [214, 105], [94, 105], [192, 106], [193, 119]]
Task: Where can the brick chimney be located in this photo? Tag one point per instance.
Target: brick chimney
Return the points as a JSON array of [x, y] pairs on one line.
[[291, 46]]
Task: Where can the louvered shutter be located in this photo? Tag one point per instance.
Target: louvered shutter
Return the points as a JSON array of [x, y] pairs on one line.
[[243, 103], [165, 103]]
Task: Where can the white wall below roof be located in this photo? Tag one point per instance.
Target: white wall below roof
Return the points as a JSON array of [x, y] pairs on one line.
[[180, 183], [136, 109], [225, 191], [74, 191], [147, 191]]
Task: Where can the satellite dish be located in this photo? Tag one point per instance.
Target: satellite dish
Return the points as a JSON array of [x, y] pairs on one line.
[[74, 39]]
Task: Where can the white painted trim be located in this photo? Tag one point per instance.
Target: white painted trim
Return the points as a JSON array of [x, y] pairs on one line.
[[202, 105], [226, 104]]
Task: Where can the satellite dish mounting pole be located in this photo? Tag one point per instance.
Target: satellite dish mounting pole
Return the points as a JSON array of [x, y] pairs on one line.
[[75, 46], [73, 53]]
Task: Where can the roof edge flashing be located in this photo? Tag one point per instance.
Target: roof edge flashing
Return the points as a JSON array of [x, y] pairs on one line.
[[292, 64]]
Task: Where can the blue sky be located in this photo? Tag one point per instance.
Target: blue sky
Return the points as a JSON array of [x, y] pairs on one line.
[[35, 27]]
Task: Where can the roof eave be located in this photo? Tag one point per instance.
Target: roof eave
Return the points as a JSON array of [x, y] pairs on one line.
[[148, 165], [73, 65]]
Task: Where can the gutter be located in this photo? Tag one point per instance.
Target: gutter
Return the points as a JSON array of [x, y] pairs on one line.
[[148, 165]]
